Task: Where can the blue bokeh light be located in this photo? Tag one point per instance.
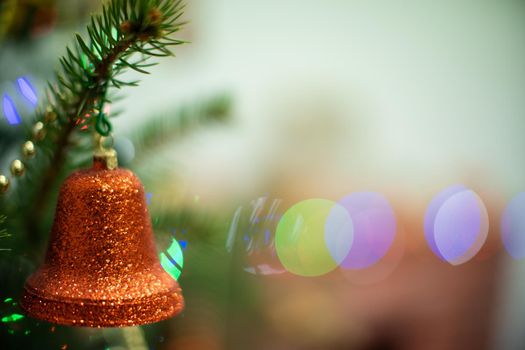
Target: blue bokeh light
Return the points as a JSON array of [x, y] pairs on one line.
[[149, 195], [456, 224], [27, 90], [10, 112], [432, 210]]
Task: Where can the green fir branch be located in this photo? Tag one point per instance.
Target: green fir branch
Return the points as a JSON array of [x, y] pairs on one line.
[[124, 36], [156, 131]]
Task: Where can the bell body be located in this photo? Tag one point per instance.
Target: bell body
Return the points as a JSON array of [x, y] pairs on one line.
[[101, 267]]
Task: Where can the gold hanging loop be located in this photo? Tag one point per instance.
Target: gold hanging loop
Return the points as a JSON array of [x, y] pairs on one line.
[[105, 155]]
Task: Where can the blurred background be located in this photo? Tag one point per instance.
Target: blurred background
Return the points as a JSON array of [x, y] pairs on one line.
[[278, 102]]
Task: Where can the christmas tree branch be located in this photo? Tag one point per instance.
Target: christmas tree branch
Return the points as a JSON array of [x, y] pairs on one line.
[[157, 130], [124, 29]]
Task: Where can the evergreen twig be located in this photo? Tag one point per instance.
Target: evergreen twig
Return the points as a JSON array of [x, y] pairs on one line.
[[124, 29], [157, 130]]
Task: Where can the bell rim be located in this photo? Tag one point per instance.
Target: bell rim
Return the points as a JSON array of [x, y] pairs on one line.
[[102, 313]]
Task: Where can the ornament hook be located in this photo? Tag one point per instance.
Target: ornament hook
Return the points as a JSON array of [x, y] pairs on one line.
[[105, 156]]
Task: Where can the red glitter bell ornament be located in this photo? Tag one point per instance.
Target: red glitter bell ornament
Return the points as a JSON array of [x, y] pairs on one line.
[[101, 268]]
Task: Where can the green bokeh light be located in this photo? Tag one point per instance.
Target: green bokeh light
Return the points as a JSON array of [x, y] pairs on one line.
[[172, 260], [12, 318], [300, 237]]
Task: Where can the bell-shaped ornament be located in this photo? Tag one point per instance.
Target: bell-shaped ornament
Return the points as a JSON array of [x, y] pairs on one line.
[[101, 268]]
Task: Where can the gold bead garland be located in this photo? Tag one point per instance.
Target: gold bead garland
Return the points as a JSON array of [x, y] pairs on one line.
[[38, 131], [17, 167], [28, 149], [4, 183]]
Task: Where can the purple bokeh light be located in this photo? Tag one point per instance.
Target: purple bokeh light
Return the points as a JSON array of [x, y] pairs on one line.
[[456, 224], [432, 210], [375, 227]]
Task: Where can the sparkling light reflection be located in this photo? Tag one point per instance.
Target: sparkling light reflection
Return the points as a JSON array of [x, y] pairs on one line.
[[258, 236]]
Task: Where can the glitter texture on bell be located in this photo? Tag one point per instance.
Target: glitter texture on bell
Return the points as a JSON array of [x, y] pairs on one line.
[[101, 268]]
